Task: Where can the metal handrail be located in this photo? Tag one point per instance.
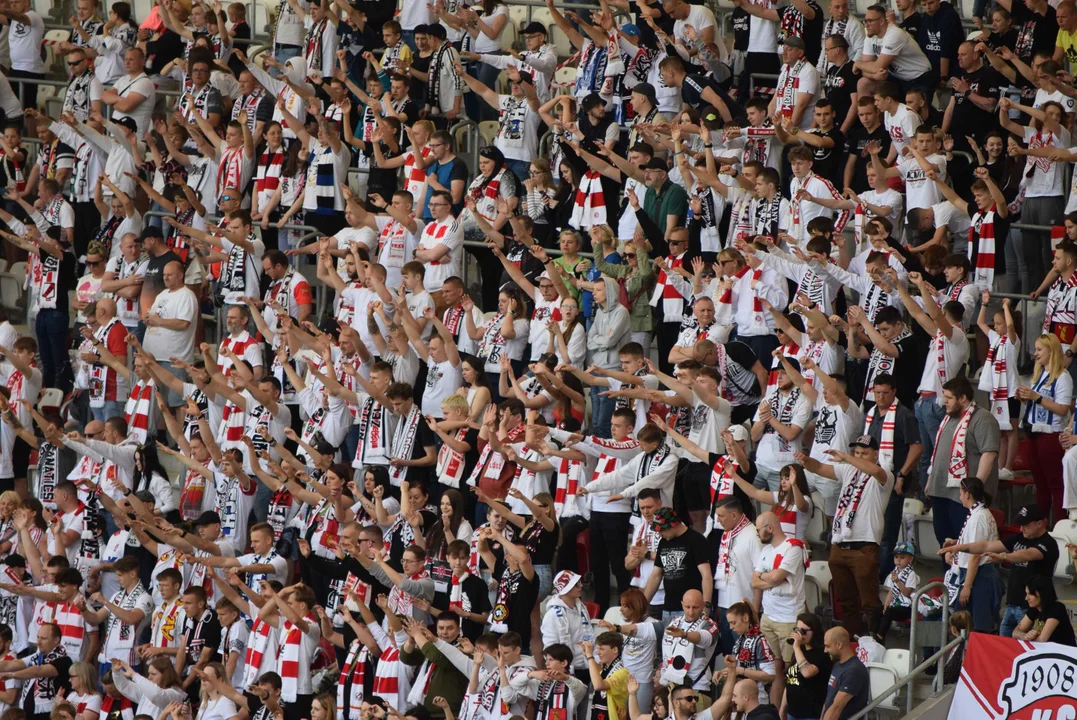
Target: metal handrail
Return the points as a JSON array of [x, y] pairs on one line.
[[915, 604], [938, 657], [64, 83]]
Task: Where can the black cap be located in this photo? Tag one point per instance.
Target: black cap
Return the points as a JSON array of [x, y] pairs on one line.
[[656, 164], [865, 441], [209, 517], [793, 363], [151, 231], [1029, 514], [646, 90], [534, 27], [128, 123]]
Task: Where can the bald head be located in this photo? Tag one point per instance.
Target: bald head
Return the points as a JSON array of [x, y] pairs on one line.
[[770, 529], [173, 275], [745, 695], [93, 427], [692, 605], [836, 643], [106, 310]]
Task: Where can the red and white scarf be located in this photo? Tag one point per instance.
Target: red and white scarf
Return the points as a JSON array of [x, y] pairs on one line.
[[848, 506], [230, 169], [995, 379], [958, 466], [497, 460], [138, 408], [456, 591], [100, 374], [722, 478], [886, 439], [414, 176], [450, 465], [288, 661], [257, 644], [354, 670], [72, 627], [589, 205], [565, 503], [672, 300], [982, 241], [400, 603], [1060, 317], [722, 569]]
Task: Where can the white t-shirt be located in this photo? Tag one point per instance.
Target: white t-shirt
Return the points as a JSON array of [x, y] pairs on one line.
[[140, 85], [950, 216], [909, 60], [252, 268], [774, 452], [955, 353], [442, 380], [417, 302], [68, 521], [280, 566], [163, 343], [1047, 179], [806, 82], [484, 44], [25, 42], [902, 126], [887, 198], [708, 424], [867, 525], [517, 137], [1043, 97], [446, 232], [308, 644], [783, 603], [763, 34], [321, 155], [700, 18], [112, 644], [920, 190]]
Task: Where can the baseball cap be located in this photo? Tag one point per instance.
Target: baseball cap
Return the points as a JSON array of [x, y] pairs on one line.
[[904, 548], [795, 42], [656, 164], [630, 29], [565, 581], [865, 441], [793, 363], [665, 518], [128, 123], [646, 90], [1029, 514], [209, 517], [739, 433], [534, 27]]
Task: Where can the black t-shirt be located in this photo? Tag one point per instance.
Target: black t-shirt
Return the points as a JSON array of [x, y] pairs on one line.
[[793, 23], [417, 88], [476, 598], [744, 383], [692, 94], [155, 269], [911, 24], [933, 119], [541, 543], [985, 82], [742, 25], [908, 367], [1063, 633], [383, 181], [939, 36], [805, 695], [200, 635], [856, 143], [830, 162], [1002, 229], [1007, 39], [1021, 572], [518, 605], [396, 543], [61, 684], [1035, 33], [763, 712], [680, 559], [838, 87], [240, 31], [647, 38]]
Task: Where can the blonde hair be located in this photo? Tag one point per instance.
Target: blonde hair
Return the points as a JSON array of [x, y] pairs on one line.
[[12, 497], [605, 233], [731, 254], [86, 673], [455, 402], [1056, 364], [329, 703]]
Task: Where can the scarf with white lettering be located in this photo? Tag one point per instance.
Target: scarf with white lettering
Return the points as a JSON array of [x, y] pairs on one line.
[[373, 433], [723, 569], [138, 408], [354, 671], [400, 603], [45, 688], [1060, 317], [450, 465], [404, 443]]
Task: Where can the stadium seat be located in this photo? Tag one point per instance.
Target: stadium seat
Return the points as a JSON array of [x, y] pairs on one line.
[[927, 547], [1004, 529], [488, 131], [509, 35], [50, 398], [1064, 565], [912, 508], [1066, 529], [614, 615], [563, 80], [592, 608], [884, 675], [583, 552], [816, 532], [817, 580], [519, 15]]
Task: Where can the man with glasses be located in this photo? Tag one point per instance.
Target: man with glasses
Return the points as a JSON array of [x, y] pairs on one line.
[[440, 246], [839, 83], [445, 173], [892, 54], [85, 90], [200, 97], [846, 26]]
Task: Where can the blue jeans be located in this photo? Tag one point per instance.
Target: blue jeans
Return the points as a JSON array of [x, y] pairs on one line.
[[51, 329], [522, 168], [1011, 618], [929, 415], [987, 592], [351, 444], [601, 412], [284, 53], [111, 409]]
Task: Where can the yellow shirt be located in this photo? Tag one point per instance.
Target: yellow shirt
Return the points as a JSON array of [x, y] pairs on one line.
[[617, 695], [1068, 42]]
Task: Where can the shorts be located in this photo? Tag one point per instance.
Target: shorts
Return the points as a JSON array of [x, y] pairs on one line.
[[697, 486], [776, 634]]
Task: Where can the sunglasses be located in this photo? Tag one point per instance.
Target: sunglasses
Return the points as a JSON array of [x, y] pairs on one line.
[[630, 255]]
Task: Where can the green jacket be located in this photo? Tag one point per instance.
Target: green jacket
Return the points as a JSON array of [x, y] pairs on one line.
[[446, 681], [638, 286]]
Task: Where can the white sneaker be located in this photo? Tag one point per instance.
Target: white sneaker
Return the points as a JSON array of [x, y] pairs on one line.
[[1005, 474]]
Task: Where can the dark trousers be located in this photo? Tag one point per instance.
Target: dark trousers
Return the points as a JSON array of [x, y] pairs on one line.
[[947, 518], [87, 222], [1046, 465], [892, 519], [299, 709], [29, 90], [885, 618], [567, 557], [609, 546], [668, 332], [761, 63], [761, 345], [51, 328], [854, 568]]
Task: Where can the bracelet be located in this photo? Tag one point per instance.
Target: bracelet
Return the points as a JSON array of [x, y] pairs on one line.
[[708, 145]]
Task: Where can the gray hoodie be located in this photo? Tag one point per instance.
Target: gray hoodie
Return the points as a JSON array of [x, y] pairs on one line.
[[610, 331]]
